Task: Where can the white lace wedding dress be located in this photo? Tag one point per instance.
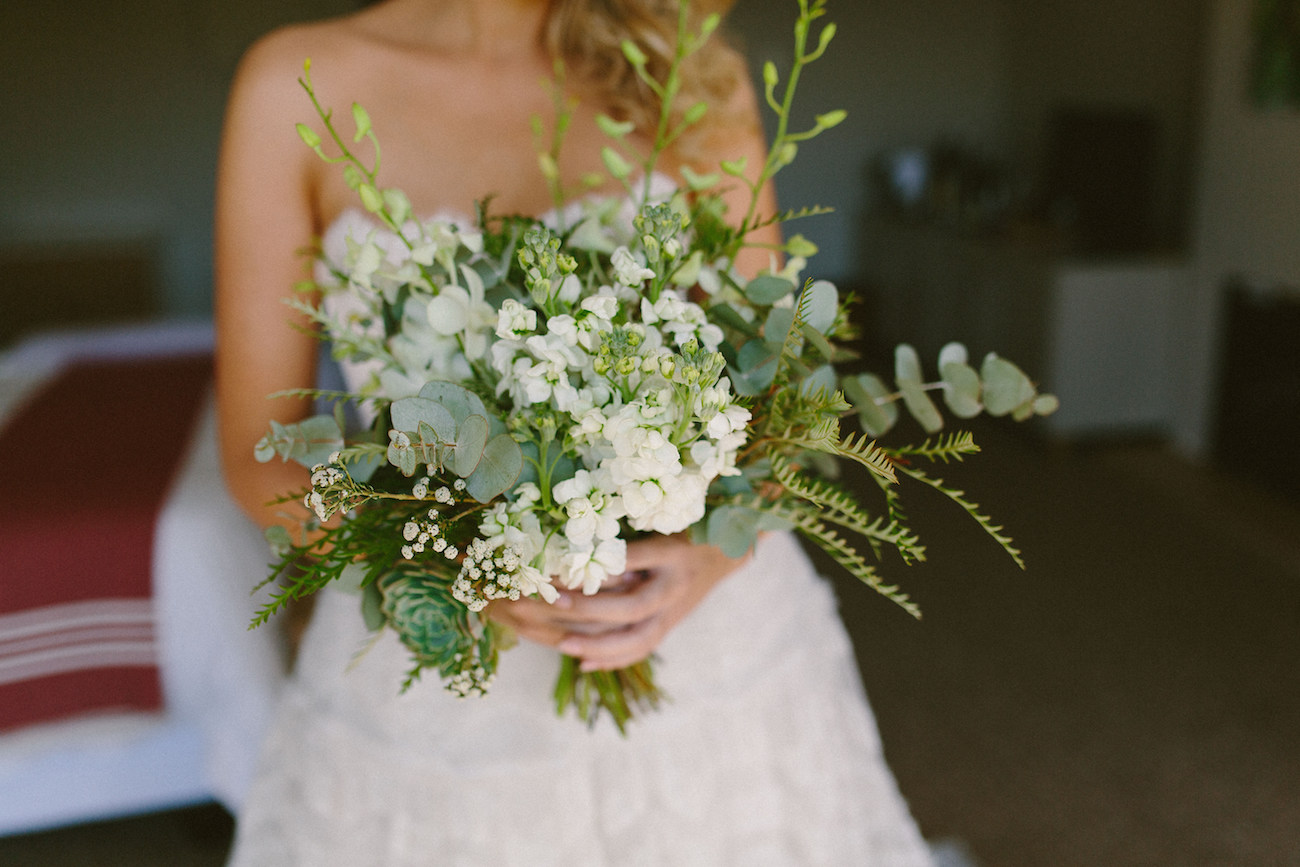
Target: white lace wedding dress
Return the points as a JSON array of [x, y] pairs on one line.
[[766, 753]]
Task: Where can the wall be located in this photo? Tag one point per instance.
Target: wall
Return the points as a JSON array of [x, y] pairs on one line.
[[112, 113], [907, 73], [1247, 213], [1113, 54]]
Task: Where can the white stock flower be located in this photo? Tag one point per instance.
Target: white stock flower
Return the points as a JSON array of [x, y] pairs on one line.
[[593, 511], [589, 567], [627, 270], [515, 320], [462, 311]]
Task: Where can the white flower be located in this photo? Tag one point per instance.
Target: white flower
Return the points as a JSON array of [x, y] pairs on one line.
[[627, 270], [667, 506], [457, 310], [603, 304], [730, 419], [593, 512], [588, 568], [515, 321]]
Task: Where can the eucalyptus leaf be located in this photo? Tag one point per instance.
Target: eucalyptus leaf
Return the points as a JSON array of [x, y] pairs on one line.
[[820, 302], [818, 340], [1006, 387], [1046, 404], [410, 412], [352, 578], [471, 438], [309, 442], [726, 316], [907, 374], [777, 326], [877, 412], [372, 606], [961, 382], [456, 399], [497, 471], [821, 379], [907, 364], [755, 368], [767, 289]]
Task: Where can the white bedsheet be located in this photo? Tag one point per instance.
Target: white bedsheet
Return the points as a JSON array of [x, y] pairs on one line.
[[219, 679]]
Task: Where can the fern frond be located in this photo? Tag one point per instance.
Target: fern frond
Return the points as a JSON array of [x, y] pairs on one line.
[[792, 345], [953, 447], [791, 214], [972, 508], [867, 453], [835, 546], [839, 507]]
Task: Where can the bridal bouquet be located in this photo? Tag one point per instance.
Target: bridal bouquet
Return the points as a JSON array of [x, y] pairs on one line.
[[538, 391]]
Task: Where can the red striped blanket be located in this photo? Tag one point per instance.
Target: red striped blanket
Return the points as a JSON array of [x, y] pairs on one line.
[[85, 467]]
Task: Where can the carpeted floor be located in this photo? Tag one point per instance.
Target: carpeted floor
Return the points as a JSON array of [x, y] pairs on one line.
[[1133, 698]]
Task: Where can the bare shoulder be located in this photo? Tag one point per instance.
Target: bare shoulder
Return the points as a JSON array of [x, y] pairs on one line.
[[268, 75]]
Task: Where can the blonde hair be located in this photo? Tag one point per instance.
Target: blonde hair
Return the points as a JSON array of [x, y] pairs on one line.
[[587, 35]]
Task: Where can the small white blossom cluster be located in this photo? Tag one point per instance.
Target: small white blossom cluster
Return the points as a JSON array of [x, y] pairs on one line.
[[469, 680], [426, 534], [442, 494], [331, 490], [490, 572]]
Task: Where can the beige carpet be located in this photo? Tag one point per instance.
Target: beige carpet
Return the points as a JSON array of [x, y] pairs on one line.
[[1132, 699]]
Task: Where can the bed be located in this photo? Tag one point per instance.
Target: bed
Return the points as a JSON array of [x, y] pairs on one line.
[[217, 681]]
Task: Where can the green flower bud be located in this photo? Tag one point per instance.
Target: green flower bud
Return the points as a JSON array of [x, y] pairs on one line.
[[362, 119], [308, 136]]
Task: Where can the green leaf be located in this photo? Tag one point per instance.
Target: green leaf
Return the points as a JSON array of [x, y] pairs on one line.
[[821, 379], [819, 303], [818, 340], [877, 411], [907, 374], [471, 438], [613, 128], [755, 368], [1046, 404], [777, 326], [1006, 387], [615, 164], [735, 528], [961, 382], [410, 412], [768, 289], [308, 442], [456, 399], [801, 247], [309, 136], [497, 471], [362, 119], [698, 182]]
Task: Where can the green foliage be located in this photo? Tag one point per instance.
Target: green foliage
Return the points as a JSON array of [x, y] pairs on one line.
[[308, 442]]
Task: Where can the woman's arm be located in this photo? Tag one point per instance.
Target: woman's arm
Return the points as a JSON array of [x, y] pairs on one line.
[[265, 221]]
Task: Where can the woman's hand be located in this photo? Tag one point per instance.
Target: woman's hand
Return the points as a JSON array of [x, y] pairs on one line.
[[667, 576]]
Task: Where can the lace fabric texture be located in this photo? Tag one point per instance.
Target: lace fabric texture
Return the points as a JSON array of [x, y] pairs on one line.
[[766, 752]]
